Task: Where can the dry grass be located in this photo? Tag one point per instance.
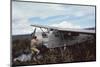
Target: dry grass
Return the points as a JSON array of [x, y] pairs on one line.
[[77, 53]]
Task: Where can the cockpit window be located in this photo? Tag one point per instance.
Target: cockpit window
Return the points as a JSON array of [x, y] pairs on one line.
[[44, 35]]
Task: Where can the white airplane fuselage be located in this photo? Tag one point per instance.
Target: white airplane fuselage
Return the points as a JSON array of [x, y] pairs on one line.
[[54, 39]]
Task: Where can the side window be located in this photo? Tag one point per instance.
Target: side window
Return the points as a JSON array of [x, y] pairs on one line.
[[56, 34]]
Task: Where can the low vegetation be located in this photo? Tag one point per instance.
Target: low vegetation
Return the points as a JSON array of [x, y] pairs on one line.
[[82, 52]]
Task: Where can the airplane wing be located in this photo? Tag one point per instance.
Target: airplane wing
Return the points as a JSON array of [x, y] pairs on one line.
[[83, 31]]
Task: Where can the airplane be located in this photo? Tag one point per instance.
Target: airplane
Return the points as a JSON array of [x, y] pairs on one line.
[[55, 37], [62, 37]]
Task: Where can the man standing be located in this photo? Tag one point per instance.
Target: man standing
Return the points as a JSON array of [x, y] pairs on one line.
[[34, 44]]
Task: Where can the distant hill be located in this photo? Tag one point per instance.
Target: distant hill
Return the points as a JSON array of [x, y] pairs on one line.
[[25, 36], [28, 36], [92, 28]]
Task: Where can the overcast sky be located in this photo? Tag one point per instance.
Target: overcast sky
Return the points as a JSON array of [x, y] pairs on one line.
[[65, 16]]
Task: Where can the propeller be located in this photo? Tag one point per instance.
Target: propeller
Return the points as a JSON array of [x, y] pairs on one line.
[[33, 34]]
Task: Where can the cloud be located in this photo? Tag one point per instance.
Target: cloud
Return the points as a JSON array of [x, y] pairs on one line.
[[27, 10], [22, 26], [65, 24], [49, 14]]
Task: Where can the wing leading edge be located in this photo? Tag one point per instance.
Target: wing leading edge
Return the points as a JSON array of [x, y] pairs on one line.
[[83, 31]]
